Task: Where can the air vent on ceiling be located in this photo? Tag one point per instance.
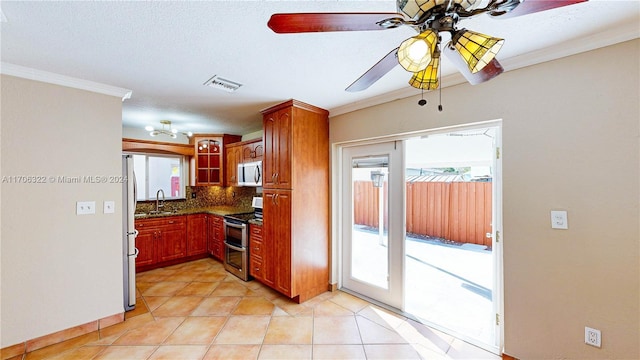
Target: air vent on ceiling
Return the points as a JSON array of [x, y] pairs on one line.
[[223, 84]]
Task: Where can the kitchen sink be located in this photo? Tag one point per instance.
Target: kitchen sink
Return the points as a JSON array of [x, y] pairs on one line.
[[160, 212], [153, 213]]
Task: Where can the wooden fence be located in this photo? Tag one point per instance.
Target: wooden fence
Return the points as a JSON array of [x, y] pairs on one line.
[[456, 211]]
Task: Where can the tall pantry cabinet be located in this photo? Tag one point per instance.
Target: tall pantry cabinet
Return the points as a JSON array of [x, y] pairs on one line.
[[296, 198]]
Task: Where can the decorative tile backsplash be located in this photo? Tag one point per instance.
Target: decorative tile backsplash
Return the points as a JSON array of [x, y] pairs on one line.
[[206, 196]]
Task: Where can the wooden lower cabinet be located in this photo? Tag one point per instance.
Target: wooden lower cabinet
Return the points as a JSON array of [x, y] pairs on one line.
[[277, 231], [197, 231], [145, 242], [160, 241], [215, 245], [172, 241]]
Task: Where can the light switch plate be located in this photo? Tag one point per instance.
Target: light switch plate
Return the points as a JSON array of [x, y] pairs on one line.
[[559, 219], [85, 207], [109, 207]]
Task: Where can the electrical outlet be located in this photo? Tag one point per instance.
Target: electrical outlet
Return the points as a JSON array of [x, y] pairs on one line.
[[559, 219], [592, 337]]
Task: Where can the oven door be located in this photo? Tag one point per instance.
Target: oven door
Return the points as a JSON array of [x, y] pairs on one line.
[[236, 261], [235, 234]]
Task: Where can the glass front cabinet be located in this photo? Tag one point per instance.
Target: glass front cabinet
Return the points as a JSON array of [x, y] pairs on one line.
[[210, 159]]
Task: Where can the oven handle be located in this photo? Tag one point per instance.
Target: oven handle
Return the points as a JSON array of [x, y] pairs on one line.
[[235, 247], [235, 225]]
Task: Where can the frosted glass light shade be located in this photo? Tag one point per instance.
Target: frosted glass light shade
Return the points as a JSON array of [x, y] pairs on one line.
[[477, 50], [415, 53]]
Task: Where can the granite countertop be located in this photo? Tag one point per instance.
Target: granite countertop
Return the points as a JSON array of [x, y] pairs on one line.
[[213, 210]]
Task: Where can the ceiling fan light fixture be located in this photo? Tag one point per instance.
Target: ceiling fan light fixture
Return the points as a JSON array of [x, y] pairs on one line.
[[477, 50], [427, 79], [415, 53]]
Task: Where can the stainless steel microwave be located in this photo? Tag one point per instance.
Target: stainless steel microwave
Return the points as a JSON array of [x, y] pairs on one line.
[[250, 174]]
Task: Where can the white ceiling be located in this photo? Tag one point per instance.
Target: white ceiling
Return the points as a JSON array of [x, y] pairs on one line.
[[165, 51]]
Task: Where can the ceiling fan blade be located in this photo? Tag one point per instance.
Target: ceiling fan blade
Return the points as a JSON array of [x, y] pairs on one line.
[[321, 22], [375, 72], [533, 6], [491, 70]]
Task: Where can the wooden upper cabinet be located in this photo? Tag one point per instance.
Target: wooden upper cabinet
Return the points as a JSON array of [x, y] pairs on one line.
[[233, 154], [252, 151], [276, 165], [209, 161], [210, 158]]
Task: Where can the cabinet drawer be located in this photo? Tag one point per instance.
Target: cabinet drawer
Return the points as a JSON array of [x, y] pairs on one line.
[[256, 248], [158, 222], [255, 231], [256, 269]]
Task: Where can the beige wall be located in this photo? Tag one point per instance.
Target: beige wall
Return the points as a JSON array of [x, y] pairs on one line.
[[570, 141], [59, 269]]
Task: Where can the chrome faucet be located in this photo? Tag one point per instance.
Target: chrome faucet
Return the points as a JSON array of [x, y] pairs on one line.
[[158, 204]]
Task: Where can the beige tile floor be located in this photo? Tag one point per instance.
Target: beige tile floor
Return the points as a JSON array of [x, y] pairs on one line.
[[198, 311]]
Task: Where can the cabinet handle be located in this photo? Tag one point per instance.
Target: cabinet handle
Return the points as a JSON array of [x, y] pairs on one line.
[[171, 221], [256, 248]]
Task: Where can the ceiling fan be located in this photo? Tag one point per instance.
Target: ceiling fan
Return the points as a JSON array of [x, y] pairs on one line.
[[472, 53]]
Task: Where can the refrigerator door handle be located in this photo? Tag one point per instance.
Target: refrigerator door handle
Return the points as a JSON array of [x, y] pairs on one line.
[[134, 233], [135, 254]]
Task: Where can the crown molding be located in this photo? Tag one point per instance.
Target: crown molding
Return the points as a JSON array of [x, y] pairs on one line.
[[625, 32], [57, 79]]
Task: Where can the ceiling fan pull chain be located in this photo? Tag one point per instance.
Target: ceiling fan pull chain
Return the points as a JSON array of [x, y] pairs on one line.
[[440, 90], [422, 102]]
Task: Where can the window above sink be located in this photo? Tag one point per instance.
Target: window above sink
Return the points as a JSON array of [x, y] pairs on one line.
[[154, 172]]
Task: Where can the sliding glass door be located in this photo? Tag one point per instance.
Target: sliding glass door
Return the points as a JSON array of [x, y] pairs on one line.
[[421, 217]]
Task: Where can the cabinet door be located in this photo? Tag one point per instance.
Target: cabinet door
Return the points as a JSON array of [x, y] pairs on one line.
[[252, 152], [145, 244], [216, 237], [209, 161], [196, 234], [233, 159], [269, 162], [171, 243], [277, 237], [277, 149]]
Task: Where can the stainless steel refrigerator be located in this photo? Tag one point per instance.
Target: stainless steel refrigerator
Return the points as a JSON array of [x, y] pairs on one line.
[[129, 250]]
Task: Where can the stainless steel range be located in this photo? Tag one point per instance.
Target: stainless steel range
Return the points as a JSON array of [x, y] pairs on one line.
[[236, 241]]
